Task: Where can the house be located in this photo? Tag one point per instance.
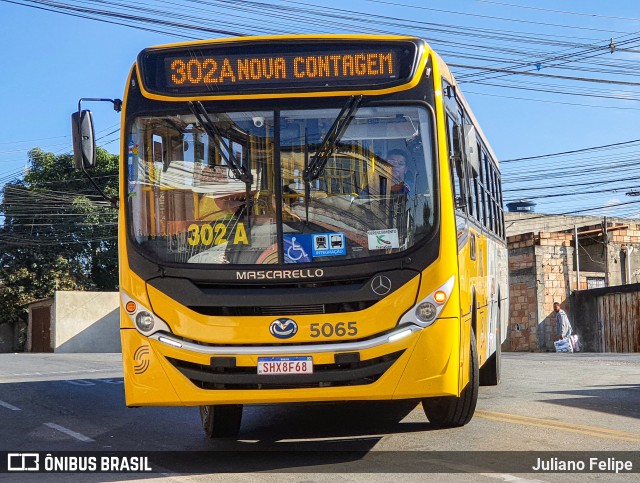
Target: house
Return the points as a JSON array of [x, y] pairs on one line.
[[75, 322], [543, 268]]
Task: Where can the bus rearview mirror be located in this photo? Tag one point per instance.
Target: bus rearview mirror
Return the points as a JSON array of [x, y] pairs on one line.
[[84, 144]]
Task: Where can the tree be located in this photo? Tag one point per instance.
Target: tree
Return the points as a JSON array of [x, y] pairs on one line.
[[58, 234]]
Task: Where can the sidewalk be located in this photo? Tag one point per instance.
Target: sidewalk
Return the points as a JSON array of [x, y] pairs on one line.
[[27, 367]]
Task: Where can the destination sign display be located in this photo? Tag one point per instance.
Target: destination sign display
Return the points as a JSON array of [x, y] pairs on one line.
[[248, 67]]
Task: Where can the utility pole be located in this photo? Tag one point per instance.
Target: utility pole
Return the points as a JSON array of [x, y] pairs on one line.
[[575, 231], [605, 235]]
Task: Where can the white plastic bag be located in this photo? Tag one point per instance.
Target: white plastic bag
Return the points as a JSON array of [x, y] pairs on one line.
[[575, 343], [563, 345]]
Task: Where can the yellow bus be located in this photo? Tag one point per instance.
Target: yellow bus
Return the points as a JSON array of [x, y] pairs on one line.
[[305, 218]]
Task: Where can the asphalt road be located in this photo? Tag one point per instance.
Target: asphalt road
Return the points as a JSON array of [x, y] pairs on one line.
[[588, 403]]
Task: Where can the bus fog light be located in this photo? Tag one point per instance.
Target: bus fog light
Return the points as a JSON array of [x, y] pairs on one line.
[[426, 312], [144, 321]]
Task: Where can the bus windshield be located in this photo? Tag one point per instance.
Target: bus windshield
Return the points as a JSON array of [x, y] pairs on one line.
[[233, 191]]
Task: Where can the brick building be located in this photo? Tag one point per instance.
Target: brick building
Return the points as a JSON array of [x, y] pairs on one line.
[[543, 268]]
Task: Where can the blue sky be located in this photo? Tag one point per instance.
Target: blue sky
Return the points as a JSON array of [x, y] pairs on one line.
[[51, 60]]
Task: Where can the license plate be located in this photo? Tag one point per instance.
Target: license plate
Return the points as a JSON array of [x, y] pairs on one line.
[[285, 365]]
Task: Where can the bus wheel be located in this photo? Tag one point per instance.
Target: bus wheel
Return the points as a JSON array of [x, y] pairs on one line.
[[452, 411], [221, 421], [490, 371]]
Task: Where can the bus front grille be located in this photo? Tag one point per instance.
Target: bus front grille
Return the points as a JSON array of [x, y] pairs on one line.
[[276, 311], [324, 375], [293, 310]]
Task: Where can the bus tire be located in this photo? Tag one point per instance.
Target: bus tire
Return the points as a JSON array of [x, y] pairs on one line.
[[452, 411], [490, 371], [221, 421]]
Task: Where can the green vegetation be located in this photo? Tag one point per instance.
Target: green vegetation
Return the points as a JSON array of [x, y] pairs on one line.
[[57, 232]]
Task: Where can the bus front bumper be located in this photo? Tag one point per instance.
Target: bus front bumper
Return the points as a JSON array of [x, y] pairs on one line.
[[409, 362]]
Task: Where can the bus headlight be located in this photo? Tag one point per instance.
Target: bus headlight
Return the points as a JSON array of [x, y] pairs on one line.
[[142, 318], [144, 321], [426, 311]]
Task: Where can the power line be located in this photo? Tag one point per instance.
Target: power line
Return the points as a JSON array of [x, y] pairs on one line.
[[492, 17], [564, 12], [467, 91], [573, 194], [562, 90], [579, 211], [181, 19], [573, 151], [548, 76]]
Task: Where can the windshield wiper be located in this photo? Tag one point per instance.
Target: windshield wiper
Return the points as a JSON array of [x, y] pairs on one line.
[[328, 144], [213, 132]]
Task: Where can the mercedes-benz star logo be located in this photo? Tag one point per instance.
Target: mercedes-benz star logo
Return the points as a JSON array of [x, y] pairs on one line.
[[381, 285]]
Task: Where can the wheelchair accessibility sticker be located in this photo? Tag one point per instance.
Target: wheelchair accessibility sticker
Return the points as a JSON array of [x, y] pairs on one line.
[[329, 245], [297, 248]]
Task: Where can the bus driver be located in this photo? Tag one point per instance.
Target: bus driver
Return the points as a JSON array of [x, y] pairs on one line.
[[400, 176]]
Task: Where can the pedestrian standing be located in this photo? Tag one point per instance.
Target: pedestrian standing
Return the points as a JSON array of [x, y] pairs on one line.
[[563, 326]]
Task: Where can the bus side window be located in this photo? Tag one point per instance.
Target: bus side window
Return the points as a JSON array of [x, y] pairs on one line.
[[472, 198], [479, 182], [471, 160], [494, 199], [477, 193], [499, 220], [482, 189], [487, 191], [501, 208], [456, 164]]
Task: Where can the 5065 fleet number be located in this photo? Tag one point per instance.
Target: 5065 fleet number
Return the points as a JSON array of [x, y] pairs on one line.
[[328, 329]]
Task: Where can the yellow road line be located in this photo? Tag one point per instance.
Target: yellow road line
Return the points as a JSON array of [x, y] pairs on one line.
[[560, 425]]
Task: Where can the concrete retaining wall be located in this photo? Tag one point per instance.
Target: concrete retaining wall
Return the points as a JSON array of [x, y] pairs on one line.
[[86, 322]]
